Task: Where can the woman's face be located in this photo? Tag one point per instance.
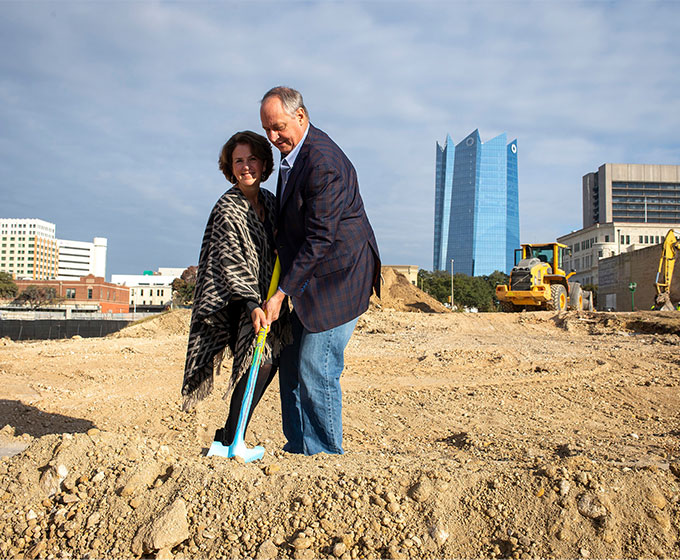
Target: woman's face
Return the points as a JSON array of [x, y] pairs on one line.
[[246, 167]]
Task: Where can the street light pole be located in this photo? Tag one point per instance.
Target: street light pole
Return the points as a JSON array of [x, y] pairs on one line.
[[452, 301]]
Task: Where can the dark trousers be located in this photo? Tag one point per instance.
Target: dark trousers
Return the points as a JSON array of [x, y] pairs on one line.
[[264, 378]]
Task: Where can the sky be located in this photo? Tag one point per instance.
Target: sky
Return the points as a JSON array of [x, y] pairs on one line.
[[113, 114]]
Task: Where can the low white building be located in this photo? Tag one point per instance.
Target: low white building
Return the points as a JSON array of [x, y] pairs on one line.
[[599, 241], [151, 292], [81, 258]]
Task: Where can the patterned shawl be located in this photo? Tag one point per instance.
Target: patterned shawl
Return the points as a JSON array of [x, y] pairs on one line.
[[235, 266]]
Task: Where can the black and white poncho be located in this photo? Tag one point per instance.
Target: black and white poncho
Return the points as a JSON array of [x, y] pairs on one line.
[[234, 271]]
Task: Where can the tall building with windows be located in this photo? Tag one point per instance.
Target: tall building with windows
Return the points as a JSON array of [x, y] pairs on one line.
[[81, 258], [634, 193], [626, 207], [476, 222], [28, 248]]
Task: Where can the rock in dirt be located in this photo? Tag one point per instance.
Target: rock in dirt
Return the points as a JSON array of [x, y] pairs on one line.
[[267, 551], [169, 529], [590, 506], [142, 478], [439, 533], [52, 478], [656, 498], [422, 490]]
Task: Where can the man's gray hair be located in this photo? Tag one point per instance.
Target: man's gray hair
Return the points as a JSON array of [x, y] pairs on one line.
[[291, 99]]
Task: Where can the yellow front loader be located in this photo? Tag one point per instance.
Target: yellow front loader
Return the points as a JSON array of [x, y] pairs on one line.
[[537, 281]]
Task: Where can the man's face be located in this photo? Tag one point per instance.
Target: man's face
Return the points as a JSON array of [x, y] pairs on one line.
[[284, 131]]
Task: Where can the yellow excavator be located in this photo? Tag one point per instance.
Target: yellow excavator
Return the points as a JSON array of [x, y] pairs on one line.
[[669, 253], [537, 281]]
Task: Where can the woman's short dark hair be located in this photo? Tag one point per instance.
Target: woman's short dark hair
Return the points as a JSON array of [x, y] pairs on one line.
[[258, 144]]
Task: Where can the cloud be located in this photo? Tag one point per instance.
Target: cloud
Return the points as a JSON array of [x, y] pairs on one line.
[[123, 107]]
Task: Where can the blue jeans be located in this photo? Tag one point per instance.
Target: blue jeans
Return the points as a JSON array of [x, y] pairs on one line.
[[309, 381]]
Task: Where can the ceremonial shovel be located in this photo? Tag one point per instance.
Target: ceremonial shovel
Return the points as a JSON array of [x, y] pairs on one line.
[[238, 447]]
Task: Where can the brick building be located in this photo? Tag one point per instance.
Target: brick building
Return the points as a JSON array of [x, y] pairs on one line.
[[88, 290]]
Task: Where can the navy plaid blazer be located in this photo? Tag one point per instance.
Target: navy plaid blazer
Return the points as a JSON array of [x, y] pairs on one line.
[[329, 256]]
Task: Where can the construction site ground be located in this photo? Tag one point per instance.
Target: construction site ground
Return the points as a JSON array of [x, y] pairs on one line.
[[522, 435]]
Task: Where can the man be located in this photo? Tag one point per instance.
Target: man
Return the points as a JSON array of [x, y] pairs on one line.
[[330, 266]]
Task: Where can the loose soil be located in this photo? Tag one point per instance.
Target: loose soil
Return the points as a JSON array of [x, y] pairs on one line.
[[492, 435]]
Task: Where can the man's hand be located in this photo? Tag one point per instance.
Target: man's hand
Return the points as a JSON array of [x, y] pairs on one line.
[[258, 318], [272, 307]]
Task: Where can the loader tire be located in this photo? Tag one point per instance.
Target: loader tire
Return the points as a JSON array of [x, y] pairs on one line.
[[559, 298], [509, 307], [575, 296]]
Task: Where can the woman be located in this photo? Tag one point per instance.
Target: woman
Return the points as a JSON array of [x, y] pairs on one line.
[[234, 271]]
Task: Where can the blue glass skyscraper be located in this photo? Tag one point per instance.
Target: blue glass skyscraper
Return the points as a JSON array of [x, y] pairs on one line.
[[476, 221]]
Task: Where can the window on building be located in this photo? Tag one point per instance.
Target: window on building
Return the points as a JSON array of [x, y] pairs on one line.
[[89, 293], [141, 292], [640, 239], [628, 239], [70, 293], [646, 238]]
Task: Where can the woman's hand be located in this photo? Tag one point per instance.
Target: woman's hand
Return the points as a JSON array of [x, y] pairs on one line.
[[258, 318], [273, 307]]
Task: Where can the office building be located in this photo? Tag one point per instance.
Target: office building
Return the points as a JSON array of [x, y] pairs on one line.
[[28, 248], [476, 222], [626, 207], [81, 258], [600, 241], [148, 291], [627, 192]]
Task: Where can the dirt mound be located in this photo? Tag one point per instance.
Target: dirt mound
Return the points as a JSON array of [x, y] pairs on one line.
[[467, 435], [398, 293], [102, 495], [164, 324]]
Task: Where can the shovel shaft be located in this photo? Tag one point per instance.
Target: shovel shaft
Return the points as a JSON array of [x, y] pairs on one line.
[[247, 401]]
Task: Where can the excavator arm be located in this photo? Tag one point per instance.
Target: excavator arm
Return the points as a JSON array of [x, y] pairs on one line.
[[669, 253]]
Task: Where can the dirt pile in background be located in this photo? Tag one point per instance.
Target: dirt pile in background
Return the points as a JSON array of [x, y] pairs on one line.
[[398, 293], [168, 323]]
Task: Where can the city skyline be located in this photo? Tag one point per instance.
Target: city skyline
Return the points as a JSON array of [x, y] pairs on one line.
[[112, 114]]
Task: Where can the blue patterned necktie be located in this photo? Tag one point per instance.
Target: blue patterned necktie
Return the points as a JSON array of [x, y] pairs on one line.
[[285, 171]]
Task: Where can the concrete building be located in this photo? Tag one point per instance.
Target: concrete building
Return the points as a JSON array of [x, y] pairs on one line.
[[626, 207], [476, 218], [635, 193], [148, 292], [28, 248], [600, 241], [81, 258], [89, 293], [640, 267]]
